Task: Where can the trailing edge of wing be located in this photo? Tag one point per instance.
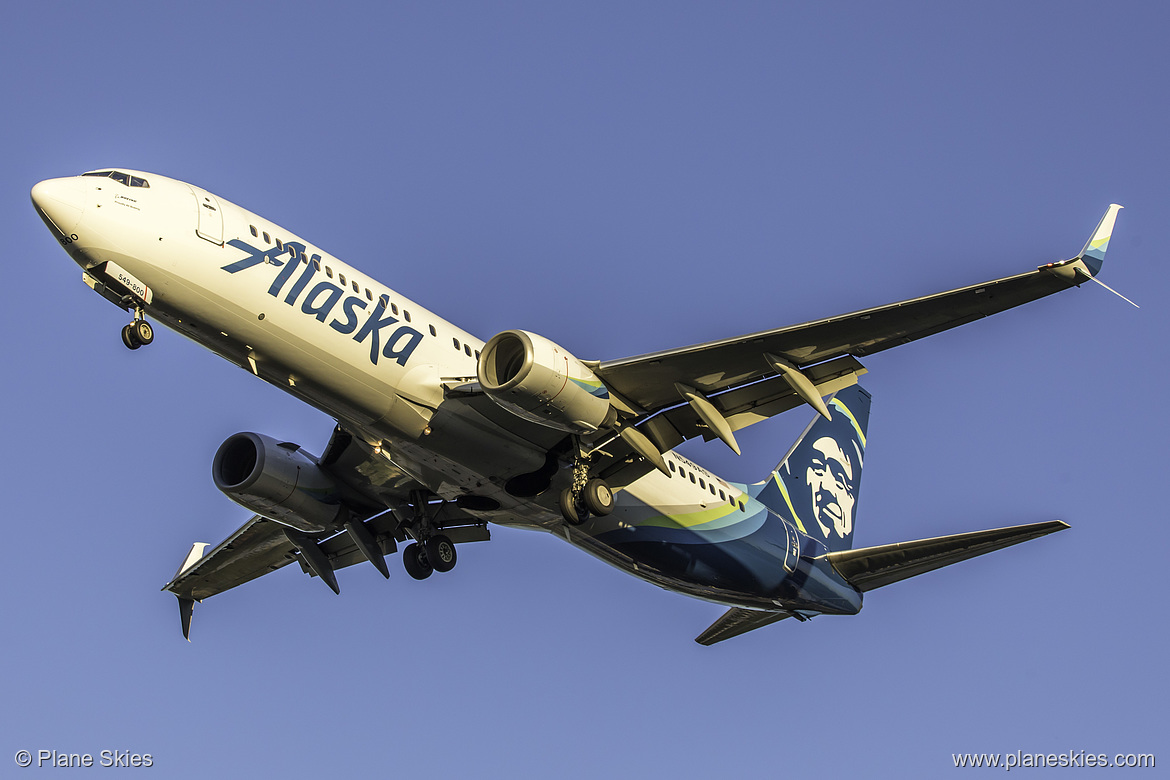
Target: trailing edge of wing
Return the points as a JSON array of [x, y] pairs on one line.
[[736, 621], [875, 567]]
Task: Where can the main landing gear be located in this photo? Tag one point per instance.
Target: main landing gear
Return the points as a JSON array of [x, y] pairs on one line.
[[587, 496], [138, 333], [433, 551]]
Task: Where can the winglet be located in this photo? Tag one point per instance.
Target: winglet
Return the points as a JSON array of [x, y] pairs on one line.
[[1093, 254], [193, 557], [186, 607]]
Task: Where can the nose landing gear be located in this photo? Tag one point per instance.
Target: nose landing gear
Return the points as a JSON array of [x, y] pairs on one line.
[[138, 333]]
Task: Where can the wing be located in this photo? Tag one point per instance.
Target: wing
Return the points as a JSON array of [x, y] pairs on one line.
[[369, 485], [648, 382]]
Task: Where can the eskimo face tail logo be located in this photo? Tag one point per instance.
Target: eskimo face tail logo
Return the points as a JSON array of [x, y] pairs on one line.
[[821, 478], [324, 298], [832, 484]]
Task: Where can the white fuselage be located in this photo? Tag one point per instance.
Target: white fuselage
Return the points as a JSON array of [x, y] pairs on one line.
[[381, 364]]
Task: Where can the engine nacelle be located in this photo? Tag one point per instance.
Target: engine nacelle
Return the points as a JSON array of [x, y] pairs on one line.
[[540, 381], [277, 481]]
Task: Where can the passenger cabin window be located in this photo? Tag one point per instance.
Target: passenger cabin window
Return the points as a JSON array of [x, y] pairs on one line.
[[267, 240], [433, 333], [394, 308], [279, 245], [467, 349], [456, 343], [385, 301], [329, 272], [355, 286], [406, 315], [342, 278], [253, 229], [370, 296]]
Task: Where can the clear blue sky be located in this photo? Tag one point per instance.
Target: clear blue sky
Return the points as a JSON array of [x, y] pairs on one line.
[[621, 178]]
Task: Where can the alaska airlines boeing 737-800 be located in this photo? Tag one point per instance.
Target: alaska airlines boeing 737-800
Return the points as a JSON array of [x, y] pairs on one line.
[[439, 435]]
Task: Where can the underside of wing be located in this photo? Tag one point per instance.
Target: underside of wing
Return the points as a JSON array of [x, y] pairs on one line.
[[372, 492], [256, 548], [875, 567], [649, 381]]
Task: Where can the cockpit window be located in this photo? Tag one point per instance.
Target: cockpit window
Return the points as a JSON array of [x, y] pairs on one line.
[[123, 178]]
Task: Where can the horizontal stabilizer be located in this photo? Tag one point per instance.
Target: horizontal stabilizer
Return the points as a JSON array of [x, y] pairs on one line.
[[876, 567], [736, 621]]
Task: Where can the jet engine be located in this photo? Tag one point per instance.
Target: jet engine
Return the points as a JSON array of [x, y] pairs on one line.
[[276, 480], [540, 381]]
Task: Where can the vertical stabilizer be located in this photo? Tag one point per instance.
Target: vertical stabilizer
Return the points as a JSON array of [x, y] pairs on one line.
[[817, 484]]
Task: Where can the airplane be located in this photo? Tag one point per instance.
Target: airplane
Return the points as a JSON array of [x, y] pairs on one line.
[[440, 435]]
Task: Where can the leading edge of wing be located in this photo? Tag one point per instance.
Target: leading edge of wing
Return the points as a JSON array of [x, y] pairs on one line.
[[648, 380]]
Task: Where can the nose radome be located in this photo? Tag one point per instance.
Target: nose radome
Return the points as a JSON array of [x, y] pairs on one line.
[[62, 201]]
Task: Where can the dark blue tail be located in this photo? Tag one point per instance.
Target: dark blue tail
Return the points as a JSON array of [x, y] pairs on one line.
[[817, 484]]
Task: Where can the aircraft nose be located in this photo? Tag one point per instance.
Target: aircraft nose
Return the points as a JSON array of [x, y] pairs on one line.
[[61, 201]]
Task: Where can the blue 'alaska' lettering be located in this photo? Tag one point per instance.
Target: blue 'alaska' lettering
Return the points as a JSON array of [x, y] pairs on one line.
[[351, 317], [371, 328], [395, 348], [332, 294], [255, 257], [300, 284], [324, 297], [281, 278]]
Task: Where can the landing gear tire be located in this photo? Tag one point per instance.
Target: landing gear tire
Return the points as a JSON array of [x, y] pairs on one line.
[[598, 497], [130, 337], [414, 559], [440, 553], [143, 331], [572, 510]]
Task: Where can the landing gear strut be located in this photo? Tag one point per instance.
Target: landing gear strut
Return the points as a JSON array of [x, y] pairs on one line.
[[138, 333]]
